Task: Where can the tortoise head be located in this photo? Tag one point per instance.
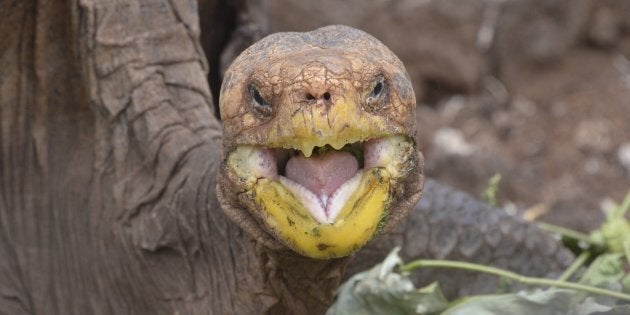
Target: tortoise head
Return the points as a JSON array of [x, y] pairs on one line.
[[319, 148]]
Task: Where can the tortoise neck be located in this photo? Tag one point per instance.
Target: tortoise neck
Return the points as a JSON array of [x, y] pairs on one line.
[[301, 285]]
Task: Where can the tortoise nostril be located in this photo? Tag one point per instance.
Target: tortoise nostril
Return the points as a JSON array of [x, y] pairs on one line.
[[313, 97]]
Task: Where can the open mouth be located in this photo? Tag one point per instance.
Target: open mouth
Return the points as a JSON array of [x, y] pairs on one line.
[[325, 180], [320, 178], [329, 203]]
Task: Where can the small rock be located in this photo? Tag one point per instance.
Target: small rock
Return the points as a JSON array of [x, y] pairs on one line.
[[624, 155], [592, 166], [559, 109], [604, 29], [451, 141], [453, 106], [524, 106], [593, 135]]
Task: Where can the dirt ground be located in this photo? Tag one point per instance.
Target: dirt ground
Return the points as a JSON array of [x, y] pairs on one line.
[[536, 90]]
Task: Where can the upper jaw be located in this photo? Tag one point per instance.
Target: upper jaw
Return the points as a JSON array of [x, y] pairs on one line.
[[305, 127]]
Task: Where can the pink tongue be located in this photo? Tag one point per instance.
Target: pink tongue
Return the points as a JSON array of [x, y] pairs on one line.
[[322, 174]]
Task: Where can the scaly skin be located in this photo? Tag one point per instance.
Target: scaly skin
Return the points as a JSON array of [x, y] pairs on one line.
[[446, 224], [109, 160], [299, 91]]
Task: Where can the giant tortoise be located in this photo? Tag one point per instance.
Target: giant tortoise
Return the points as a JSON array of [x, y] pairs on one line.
[[121, 192]]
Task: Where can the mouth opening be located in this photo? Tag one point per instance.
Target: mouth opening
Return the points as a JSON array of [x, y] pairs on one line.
[[282, 156], [328, 178], [325, 180]]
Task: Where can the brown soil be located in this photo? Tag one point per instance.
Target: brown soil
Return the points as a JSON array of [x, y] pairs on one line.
[[535, 90]]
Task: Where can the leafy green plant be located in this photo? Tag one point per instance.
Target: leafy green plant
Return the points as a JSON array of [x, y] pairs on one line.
[[604, 288], [489, 194]]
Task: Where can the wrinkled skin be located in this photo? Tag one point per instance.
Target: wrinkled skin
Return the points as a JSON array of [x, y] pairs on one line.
[[318, 89], [108, 165]]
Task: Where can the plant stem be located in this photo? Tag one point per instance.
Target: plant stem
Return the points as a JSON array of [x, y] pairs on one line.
[[577, 263], [568, 233], [424, 263], [624, 206]]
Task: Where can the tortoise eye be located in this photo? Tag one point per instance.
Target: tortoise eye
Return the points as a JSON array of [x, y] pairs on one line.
[[258, 102], [375, 100], [377, 89]]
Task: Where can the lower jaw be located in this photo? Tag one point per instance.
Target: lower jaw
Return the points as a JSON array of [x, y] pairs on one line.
[[357, 222]]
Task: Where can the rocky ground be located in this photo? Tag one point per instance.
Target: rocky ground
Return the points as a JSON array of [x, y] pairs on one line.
[[536, 90]]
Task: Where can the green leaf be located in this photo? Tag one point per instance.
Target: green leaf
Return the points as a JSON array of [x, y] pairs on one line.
[[489, 194], [553, 301], [382, 291], [617, 310], [605, 272], [540, 302], [625, 284], [615, 231]]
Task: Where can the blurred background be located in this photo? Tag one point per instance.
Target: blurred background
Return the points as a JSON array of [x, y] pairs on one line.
[[535, 90]]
